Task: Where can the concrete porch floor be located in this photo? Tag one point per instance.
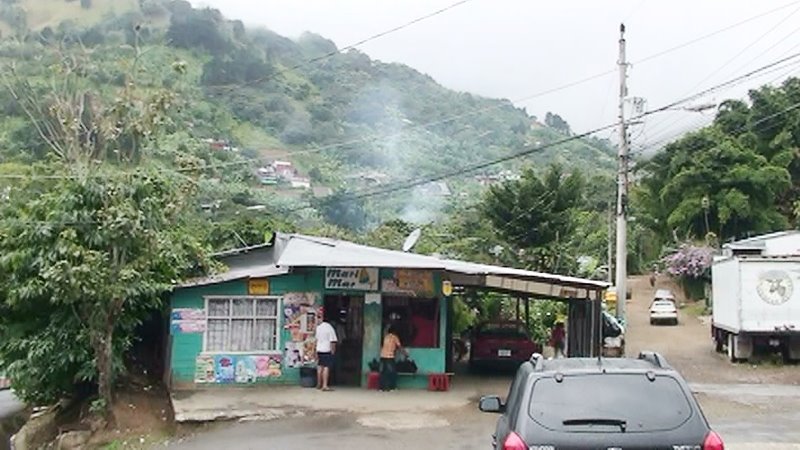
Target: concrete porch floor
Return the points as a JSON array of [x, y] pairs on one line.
[[272, 402]]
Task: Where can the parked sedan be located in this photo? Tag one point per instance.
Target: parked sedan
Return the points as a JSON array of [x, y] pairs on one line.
[[501, 343], [663, 311]]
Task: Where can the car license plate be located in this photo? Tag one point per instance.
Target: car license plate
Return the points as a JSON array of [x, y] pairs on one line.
[[774, 342], [504, 353]]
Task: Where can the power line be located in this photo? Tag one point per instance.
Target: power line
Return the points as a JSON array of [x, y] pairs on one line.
[[716, 32], [413, 183], [668, 136], [754, 125], [343, 49], [472, 168], [766, 70]]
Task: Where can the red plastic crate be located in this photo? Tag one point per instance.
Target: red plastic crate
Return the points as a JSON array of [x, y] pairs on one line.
[[438, 382], [373, 380]]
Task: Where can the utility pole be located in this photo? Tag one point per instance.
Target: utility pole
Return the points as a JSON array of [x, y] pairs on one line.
[[622, 183], [610, 262]]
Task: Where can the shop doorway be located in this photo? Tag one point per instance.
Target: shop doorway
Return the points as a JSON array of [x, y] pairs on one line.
[[346, 314]]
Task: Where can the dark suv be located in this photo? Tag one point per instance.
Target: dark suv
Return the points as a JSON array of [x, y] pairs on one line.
[[594, 403]]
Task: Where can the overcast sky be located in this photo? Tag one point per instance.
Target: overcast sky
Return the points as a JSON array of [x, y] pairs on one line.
[[518, 48]]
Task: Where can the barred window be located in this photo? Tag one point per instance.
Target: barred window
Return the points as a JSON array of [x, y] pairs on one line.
[[242, 324]]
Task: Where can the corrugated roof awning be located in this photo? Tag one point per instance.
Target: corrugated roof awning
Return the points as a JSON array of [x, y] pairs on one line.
[[289, 251]]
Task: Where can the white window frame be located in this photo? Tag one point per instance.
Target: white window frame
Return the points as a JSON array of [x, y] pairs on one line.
[[230, 317]]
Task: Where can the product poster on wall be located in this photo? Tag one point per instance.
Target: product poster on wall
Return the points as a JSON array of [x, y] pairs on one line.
[[300, 311], [188, 320], [224, 369], [204, 369], [245, 369], [294, 354], [267, 366], [301, 316]]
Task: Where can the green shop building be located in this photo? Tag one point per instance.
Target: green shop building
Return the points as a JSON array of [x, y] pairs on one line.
[[254, 323]]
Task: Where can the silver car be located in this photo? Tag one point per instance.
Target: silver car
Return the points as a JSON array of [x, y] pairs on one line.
[[663, 311]]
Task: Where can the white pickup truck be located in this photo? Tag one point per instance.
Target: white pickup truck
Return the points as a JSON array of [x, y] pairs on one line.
[[756, 305]]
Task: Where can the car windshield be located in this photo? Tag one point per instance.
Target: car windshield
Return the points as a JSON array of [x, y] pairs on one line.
[[502, 330], [601, 402]]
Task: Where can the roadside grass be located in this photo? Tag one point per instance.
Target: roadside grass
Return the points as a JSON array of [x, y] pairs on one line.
[[696, 309]]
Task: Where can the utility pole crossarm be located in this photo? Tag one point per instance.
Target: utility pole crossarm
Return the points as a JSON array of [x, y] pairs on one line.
[[622, 182]]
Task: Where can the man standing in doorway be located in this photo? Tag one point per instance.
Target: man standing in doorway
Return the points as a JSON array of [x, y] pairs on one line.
[[557, 338], [326, 348]]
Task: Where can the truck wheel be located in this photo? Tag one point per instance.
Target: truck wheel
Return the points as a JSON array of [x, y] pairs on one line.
[[732, 348], [718, 345]]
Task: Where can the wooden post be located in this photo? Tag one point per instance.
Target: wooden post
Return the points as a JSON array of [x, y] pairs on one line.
[[527, 313], [518, 312]]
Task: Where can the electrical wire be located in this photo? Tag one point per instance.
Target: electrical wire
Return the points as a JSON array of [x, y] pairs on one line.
[[670, 123], [667, 136], [407, 184], [754, 125], [737, 55], [716, 32]]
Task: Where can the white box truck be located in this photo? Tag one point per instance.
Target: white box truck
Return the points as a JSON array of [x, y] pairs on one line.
[[756, 305]]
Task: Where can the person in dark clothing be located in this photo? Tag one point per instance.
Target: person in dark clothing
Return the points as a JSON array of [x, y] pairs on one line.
[[388, 375], [557, 340]]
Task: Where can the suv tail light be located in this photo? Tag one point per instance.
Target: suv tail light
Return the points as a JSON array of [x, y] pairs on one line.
[[514, 442], [713, 442]]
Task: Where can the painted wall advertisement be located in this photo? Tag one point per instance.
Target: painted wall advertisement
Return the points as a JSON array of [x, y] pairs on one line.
[[188, 320], [224, 369], [354, 279], [301, 314], [413, 283]]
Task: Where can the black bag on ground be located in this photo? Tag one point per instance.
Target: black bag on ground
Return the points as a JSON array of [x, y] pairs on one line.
[[406, 366], [610, 327]]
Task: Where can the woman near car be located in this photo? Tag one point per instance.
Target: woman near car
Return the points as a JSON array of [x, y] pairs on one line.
[[388, 375]]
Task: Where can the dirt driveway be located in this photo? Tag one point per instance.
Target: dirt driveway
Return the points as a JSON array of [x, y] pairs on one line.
[[688, 346]]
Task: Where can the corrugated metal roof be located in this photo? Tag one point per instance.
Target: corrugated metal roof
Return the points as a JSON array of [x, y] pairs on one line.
[[295, 250], [252, 271], [308, 251], [757, 242]]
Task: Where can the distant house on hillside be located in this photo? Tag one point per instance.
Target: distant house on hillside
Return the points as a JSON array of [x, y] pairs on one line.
[[437, 189], [284, 169], [220, 145], [300, 183]]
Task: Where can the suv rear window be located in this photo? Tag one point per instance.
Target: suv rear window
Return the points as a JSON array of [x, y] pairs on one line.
[[501, 331], [644, 405]]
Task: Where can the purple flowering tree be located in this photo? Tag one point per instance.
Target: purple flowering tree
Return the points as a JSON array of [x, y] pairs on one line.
[[691, 266], [689, 262]]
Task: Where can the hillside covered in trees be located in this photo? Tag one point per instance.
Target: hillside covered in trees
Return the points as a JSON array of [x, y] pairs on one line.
[[336, 115]]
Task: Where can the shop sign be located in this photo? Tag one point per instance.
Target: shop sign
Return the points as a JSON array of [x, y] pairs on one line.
[[355, 279], [258, 286], [447, 288], [417, 283]]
